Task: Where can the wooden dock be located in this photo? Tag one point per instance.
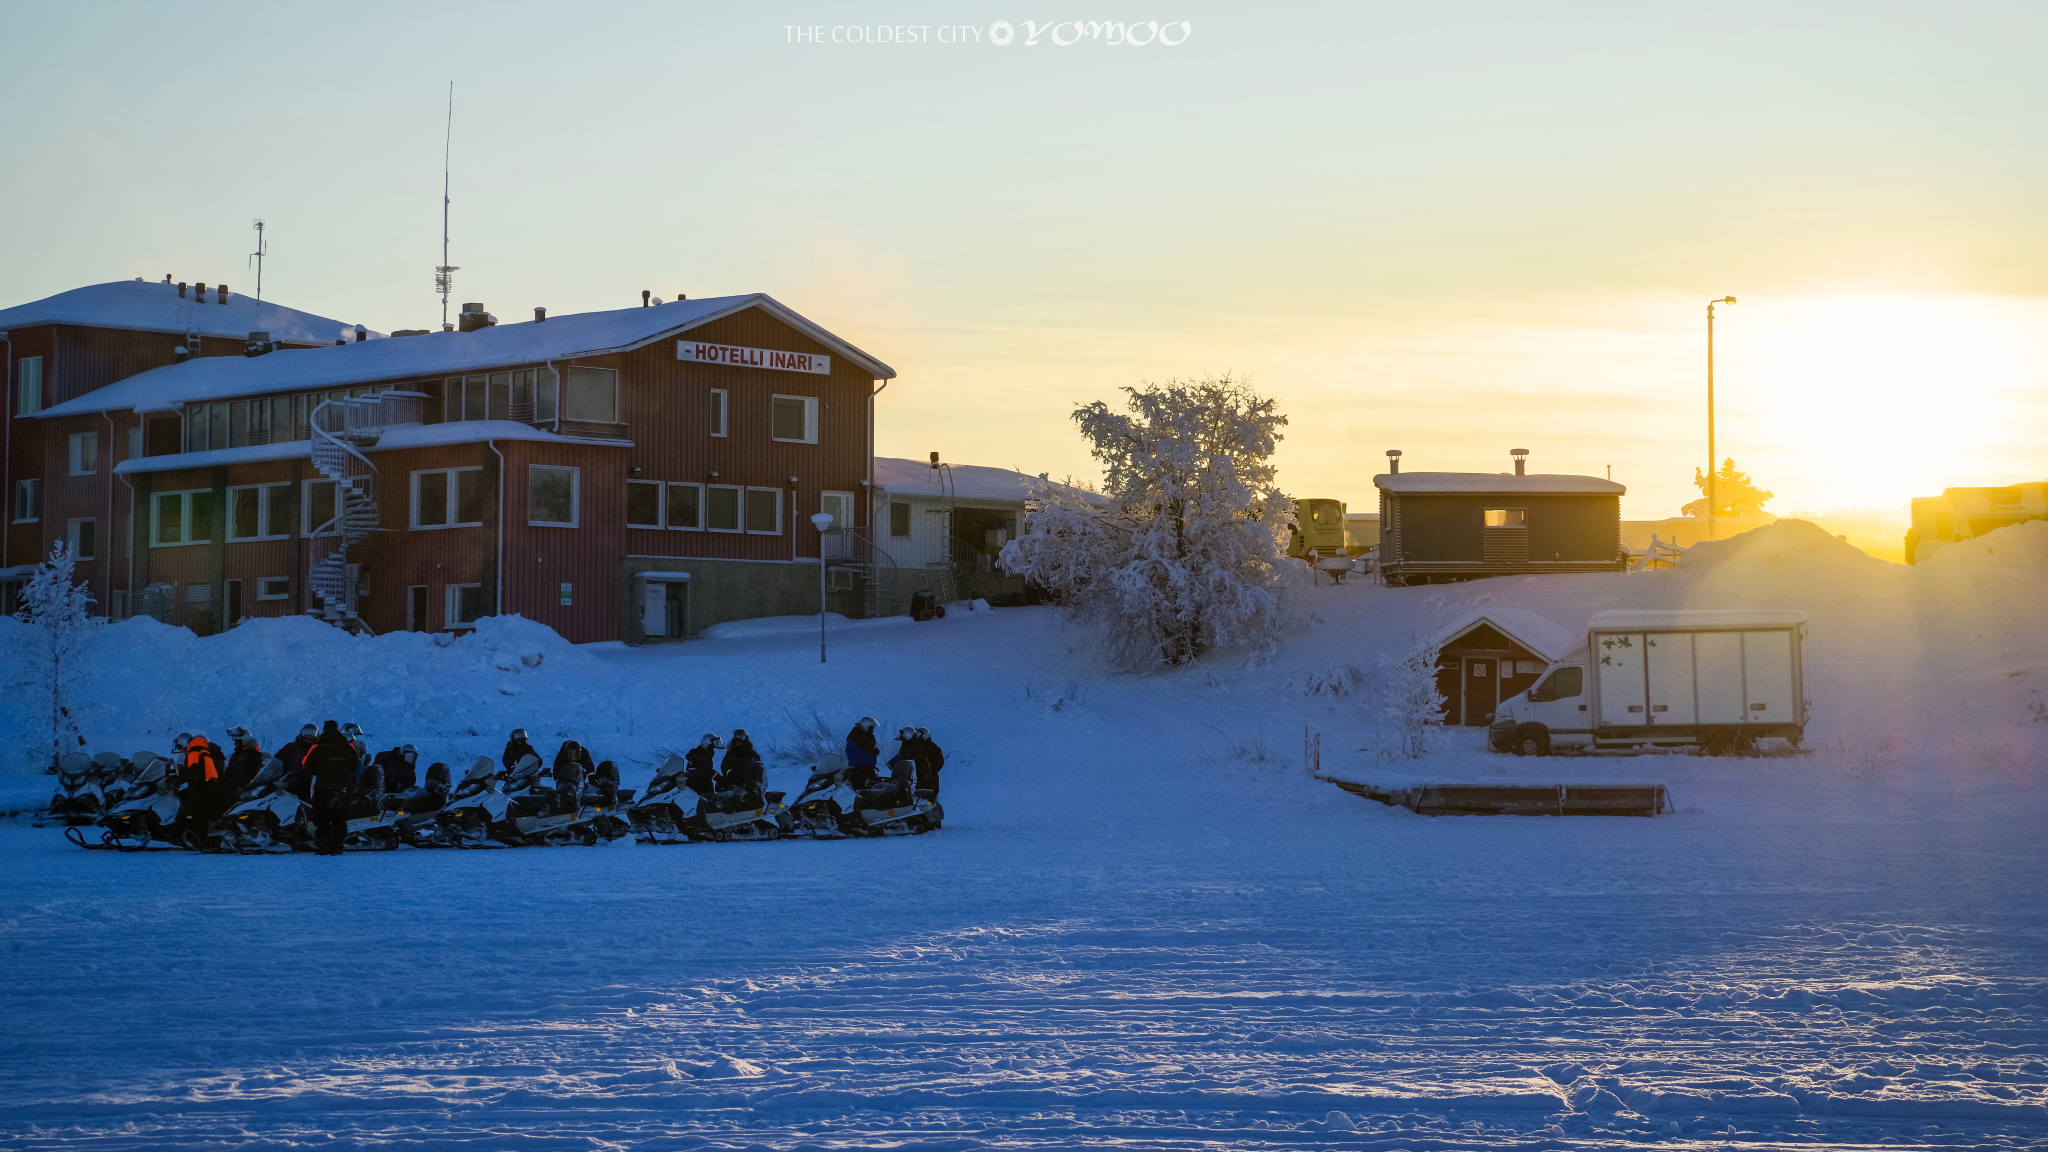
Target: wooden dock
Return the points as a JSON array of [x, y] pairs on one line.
[[1519, 799]]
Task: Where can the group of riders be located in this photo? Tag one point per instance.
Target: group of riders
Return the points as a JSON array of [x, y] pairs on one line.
[[340, 784]]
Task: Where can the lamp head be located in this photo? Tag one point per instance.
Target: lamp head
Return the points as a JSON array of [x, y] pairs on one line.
[[821, 521], [1725, 300]]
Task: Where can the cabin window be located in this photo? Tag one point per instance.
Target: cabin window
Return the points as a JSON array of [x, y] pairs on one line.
[[764, 511], [181, 518], [260, 512], [83, 539], [592, 394], [465, 605], [722, 507], [1562, 684], [318, 505], [551, 496], [643, 504], [274, 588], [899, 519], [796, 419], [85, 453], [1506, 517], [686, 507], [448, 498], [546, 390], [28, 386], [28, 501], [718, 411]]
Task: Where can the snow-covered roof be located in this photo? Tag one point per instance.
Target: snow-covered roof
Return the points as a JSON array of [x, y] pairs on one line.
[[399, 436], [970, 481], [436, 354], [1537, 633], [1624, 619], [1503, 483], [142, 306]]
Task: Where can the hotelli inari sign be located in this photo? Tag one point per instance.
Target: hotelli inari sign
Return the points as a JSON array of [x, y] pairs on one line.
[[702, 353]]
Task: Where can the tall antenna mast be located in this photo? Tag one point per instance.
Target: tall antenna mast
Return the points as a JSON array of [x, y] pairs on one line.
[[443, 283], [256, 257]]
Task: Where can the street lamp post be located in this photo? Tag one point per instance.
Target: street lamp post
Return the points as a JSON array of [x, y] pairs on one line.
[[821, 522], [1711, 466]]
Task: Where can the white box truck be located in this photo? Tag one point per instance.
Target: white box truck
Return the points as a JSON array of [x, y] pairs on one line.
[[1717, 679]]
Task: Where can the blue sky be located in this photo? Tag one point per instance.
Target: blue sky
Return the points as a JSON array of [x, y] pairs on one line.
[[1452, 229]]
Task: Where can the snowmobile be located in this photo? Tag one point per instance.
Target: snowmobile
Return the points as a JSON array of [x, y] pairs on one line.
[[149, 810], [673, 812], [370, 827], [838, 802], [657, 818], [472, 811], [415, 809], [80, 797], [267, 817]]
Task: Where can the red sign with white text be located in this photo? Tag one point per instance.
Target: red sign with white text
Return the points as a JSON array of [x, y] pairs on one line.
[[702, 353]]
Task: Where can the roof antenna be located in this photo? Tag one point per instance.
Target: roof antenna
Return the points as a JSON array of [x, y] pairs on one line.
[[443, 283], [256, 257]]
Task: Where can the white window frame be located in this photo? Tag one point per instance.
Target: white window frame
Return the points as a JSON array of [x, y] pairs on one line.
[[834, 539], [451, 606], [747, 521], [265, 583], [27, 497], [720, 426], [575, 519], [28, 386], [660, 505], [740, 514], [307, 525], [84, 444], [71, 535], [701, 509], [184, 518], [810, 419], [266, 494], [562, 400], [453, 496]]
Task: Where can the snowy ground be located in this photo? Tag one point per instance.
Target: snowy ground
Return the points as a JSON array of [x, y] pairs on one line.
[[1133, 929]]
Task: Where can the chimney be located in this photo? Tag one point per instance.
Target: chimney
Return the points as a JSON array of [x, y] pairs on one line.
[[223, 293], [1520, 455], [1394, 461], [644, 294], [181, 289], [167, 279], [539, 315], [362, 333], [935, 459], [680, 297], [259, 344], [474, 317], [199, 292]]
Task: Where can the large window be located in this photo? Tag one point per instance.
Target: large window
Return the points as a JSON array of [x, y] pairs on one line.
[[899, 519], [465, 605], [722, 507], [318, 509], [796, 419], [686, 507], [448, 498], [181, 518], [643, 503], [28, 501], [85, 453], [28, 386], [237, 424], [718, 411], [1506, 518], [260, 512], [551, 496], [764, 510], [591, 394], [84, 540], [839, 506], [526, 396]]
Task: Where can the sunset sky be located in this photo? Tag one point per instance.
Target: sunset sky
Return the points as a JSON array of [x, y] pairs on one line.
[[1448, 229]]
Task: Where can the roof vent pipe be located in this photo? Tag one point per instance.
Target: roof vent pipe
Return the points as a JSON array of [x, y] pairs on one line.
[[259, 343], [199, 292], [539, 315], [644, 294], [223, 293], [167, 279], [181, 289], [1394, 461], [362, 333], [1521, 457], [181, 354]]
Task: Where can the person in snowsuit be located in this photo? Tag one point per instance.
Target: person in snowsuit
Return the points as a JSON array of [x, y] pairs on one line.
[[702, 774], [398, 765], [604, 782], [739, 774], [332, 764], [243, 764], [572, 767], [861, 748], [903, 762], [929, 760], [198, 771], [298, 779], [516, 749], [357, 739]]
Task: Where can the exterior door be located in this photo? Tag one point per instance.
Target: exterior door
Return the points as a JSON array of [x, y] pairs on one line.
[[654, 609], [678, 600], [1482, 689]]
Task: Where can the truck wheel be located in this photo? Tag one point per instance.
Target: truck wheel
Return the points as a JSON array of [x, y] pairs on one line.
[[1718, 743], [1532, 741]]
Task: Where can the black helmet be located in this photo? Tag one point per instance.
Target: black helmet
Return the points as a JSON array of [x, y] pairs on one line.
[[739, 733], [519, 734]]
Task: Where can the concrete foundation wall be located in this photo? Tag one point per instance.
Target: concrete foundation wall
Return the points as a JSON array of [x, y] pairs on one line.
[[722, 590]]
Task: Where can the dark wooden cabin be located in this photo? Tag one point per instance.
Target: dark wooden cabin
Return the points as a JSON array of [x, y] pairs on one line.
[[1487, 655], [1442, 527]]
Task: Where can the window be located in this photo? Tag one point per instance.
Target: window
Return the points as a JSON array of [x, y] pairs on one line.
[[545, 388], [81, 535], [28, 501], [1506, 518], [718, 411], [839, 506], [416, 609], [319, 508], [899, 519], [796, 419], [465, 605], [448, 498], [722, 507], [498, 396], [643, 504], [181, 518], [686, 507], [1563, 684], [551, 495], [28, 380], [260, 512], [764, 510], [274, 588], [591, 394], [230, 424], [85, 453]]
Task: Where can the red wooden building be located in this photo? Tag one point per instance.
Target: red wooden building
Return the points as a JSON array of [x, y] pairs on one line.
[[631, 474]]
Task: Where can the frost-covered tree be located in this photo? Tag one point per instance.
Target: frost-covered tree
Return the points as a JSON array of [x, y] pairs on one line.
[[1181, 552], [61, 625], [1410, 702]]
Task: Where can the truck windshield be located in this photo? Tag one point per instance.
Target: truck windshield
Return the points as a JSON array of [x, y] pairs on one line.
[[1561, 684]]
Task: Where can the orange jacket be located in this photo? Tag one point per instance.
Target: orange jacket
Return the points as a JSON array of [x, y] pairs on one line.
[[202, 761]]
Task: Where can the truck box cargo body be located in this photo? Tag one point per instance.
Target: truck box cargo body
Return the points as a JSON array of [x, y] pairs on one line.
[[1718, 679]]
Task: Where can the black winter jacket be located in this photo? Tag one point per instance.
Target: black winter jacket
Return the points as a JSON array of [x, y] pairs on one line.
[[333, 765]]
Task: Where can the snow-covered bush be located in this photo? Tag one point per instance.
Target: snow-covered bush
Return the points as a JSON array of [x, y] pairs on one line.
[[810, 740], [1336, 680], [1410, 702], [1182, 551], [59, 613]]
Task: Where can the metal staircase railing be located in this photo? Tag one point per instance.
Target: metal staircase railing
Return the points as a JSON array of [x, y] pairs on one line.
[[878, 571], [355, 505]]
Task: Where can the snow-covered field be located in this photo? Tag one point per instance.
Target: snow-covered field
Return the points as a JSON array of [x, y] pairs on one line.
[[1143, 924]]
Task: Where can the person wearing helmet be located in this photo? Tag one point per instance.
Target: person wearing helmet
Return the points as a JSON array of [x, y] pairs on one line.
[[702, 775], [243, 764], [739, 774], [333, 765], [199, 767], [356, 739], [517, 749], [398, 766], [903, 762], [293, 757], [929, 760], [861, 748]]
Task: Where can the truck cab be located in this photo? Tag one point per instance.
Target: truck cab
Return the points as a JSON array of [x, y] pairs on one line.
[[1552, 713]]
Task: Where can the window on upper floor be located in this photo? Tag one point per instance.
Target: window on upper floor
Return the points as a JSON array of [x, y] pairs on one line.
[[260, 512], [795, 419], [448, 498], [28, 386], [85, 453], [83, 538], [591, 394], [28, 501], [643, 503], [237, 424], [525, 396], [551, 496], [180, 518], [718, 411]]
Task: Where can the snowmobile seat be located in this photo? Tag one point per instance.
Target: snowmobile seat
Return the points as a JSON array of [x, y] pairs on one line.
[[886, 796], [776, 797], [927, 794]]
